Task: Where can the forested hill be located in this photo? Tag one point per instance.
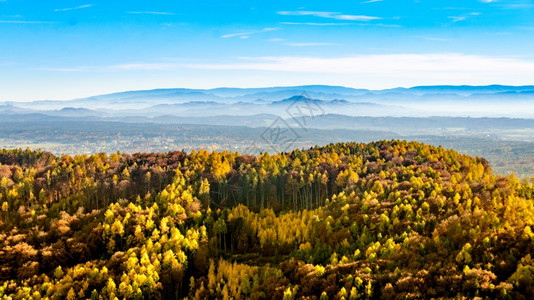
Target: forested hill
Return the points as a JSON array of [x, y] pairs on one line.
[[384, 220]]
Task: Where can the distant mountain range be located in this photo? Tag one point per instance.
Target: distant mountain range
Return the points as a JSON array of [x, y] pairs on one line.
[[421, 101]]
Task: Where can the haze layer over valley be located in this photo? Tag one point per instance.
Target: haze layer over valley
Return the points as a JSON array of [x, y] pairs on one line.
[[422, 101]]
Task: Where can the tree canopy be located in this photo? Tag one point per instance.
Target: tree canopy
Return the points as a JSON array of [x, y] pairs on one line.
[[388, 219]]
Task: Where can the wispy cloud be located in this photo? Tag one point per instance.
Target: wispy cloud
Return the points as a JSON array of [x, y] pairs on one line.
[[329, 15], [439, 67], [310, 44], [463, 17], [73, 8], [163, 13], [25, 22], [246, 35], [371, 1], [316, 24], [116, 67], [457, 18], [447, 65], [389, 25], [338, 24], [171, 25], [144, 66], [515, 5], [366, 70]]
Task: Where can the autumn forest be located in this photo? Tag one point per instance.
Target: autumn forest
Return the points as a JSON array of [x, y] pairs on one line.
[[384, 220]]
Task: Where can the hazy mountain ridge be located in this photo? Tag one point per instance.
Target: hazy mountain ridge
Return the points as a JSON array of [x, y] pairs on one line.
[[422, 101]]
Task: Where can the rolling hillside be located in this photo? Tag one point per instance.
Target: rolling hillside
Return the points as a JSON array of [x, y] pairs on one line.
[[384, 220]]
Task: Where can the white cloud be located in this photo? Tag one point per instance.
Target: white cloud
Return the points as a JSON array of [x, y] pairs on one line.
[[143, 66], [516, 6], [369, 71], [458, 19], [464, 17], [316, 24], [389, 25], [118, 67], [239, 34], [164, 13], [339, 24], [73, 8], [395, 69], [246, 35], [329, 15], [488, 1], [371, 1], [310, 44]]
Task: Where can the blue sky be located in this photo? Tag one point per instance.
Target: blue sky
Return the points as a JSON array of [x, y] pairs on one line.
[[69, 49]]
